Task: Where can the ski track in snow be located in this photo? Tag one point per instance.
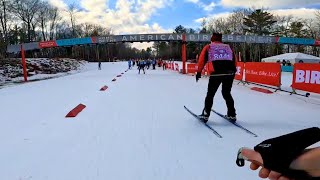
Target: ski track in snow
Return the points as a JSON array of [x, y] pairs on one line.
[[137, 129]]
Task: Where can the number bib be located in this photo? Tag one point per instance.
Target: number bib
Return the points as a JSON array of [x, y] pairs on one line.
[[220, 52]]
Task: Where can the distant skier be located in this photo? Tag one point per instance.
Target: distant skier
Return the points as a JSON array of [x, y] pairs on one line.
[[133, 63], [154, 62], [222, 58], [142, 66], [99, 65], [129, 63], [164, 65], [148, 62]]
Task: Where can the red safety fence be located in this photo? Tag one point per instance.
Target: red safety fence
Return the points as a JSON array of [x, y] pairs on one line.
[[263, 73], [168, 66], [306, 77], [192, 68], [176, 66], [240, 70]]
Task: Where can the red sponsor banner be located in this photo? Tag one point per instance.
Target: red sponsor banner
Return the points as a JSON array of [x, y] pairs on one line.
[[192, 68], [239, 73], [263, 73], [47, 44], [306, 77], [172, 66], [317, 43]]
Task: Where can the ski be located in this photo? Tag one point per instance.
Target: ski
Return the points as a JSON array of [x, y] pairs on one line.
[[235, 123], [194, 115]]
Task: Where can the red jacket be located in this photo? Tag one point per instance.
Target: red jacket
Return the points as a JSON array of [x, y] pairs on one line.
[[218, 67]]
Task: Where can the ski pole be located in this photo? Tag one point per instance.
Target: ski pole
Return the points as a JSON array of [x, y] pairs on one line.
[[222, 74]]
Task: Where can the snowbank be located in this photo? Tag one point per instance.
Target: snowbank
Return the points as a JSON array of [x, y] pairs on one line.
[[37, 68]]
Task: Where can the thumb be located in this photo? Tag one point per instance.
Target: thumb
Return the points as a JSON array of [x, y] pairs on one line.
[[252, 156]]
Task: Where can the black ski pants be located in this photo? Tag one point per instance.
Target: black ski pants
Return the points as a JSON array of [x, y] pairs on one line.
[[141, 67], [214, 83]]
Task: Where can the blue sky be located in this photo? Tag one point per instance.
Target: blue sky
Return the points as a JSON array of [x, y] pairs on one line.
[[160, 16]]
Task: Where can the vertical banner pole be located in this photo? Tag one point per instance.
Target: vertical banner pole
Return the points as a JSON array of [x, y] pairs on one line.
[[184, 54], [24, 64]]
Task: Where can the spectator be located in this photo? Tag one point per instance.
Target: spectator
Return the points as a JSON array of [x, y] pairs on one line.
[[99, 65], [288, 63], [284, 62]]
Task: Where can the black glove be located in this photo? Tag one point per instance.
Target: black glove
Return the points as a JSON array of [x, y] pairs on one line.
[[278, 153], [198, 76]]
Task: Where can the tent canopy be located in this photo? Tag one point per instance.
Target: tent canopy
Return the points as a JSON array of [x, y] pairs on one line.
[[293, 58]]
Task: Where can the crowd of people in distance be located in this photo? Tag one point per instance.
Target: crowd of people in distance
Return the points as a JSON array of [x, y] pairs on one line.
[[146, 64]]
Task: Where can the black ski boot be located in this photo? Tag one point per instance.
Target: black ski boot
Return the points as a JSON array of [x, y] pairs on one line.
[[232, 119], [204, 117]]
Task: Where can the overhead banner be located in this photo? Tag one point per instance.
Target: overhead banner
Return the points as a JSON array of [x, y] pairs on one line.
[[139, 38], [249, 39], [76, 41], [301, 41], [306, 77], [47, 44], [162, 37], [178, 37], [263, 73]]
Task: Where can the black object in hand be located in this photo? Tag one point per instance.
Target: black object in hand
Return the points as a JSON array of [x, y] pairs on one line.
[[198, 76]]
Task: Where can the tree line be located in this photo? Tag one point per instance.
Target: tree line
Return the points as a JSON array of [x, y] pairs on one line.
[[259, 22], [23, 21]]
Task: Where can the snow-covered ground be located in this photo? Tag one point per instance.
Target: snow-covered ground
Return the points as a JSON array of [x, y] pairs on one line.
[[135, 130]]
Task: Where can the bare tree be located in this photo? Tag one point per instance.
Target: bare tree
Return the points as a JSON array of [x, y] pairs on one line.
[[4, 18], [47, 18], [219, 25], [72, 14], [317, 13], [235, 21], [26, 11], [53, 18], [42, 18], [87, 28]]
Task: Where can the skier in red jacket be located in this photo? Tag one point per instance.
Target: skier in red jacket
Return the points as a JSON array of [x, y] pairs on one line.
[[223, 60]]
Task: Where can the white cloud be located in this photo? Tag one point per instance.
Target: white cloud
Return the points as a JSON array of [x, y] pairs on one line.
[[128, 16], [205, 7], [301, 13], [209, 7], [213, 16], [97, 6], [59, 4], [269, 3], [297, 13]]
